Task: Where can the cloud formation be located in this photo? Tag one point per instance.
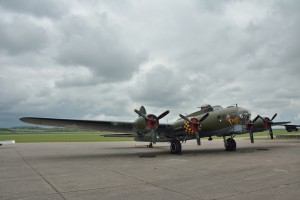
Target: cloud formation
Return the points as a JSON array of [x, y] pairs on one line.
[[101, 59]]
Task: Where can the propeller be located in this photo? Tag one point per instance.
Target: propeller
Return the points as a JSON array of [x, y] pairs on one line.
[[162, 115], [141, 114], [195, 123], [268, 124], [151, 121], [250, 127]]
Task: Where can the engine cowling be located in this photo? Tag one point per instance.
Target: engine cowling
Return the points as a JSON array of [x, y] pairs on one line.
[[143, 125], [262, 123], [266, 122], [191, 127], [148, 123], [259, 124]]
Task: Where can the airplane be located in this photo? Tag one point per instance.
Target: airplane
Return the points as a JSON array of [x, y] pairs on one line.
[[207, 122]]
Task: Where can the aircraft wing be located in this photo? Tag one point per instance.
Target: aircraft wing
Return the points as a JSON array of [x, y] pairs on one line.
[[290, 125], [279, 123], [111, 126]]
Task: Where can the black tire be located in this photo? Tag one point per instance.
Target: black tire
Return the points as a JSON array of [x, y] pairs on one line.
[[231, 144], [175, 147]]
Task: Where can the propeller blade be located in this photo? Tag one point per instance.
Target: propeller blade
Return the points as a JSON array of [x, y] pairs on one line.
[[271, 133], [261, 117], [143, 110], [251, 136], [185, 118], [198, 138], [141, 114], [274, 116], [256, 118], [203, 118], [163, 115]]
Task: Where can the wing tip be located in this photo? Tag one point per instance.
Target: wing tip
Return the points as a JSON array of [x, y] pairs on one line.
[[23, 119]]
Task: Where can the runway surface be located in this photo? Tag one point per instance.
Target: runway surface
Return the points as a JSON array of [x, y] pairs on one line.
[[267, 169]]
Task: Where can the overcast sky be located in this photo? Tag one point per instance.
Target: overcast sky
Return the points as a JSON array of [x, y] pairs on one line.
[[101, 59]]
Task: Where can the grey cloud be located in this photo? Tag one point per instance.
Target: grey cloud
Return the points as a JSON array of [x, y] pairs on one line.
[[76, 77], [213, 6], [99, 48], [90, 64], [21, 36], [158, 87], [50, 8]]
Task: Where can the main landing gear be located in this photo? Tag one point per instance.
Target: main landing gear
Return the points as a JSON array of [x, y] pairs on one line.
[[230, 144], [175, 147], [150, 145]]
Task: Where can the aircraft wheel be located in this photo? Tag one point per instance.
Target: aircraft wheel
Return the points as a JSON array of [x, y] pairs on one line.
[[175, 147], [231, 144]]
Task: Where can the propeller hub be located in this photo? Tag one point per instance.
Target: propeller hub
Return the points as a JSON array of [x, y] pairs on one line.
[[249, 125], [152, 122], [266, 122]]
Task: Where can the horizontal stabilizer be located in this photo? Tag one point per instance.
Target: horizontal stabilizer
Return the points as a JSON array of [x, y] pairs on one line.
[[119, 135]]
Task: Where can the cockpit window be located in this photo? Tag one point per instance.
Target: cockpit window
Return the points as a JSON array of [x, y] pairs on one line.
[[244, 116]]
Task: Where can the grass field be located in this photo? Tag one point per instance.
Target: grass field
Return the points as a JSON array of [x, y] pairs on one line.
[[42, 135], [49, 135]]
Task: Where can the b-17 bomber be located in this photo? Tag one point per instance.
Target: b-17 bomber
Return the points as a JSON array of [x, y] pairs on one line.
[[207, 122]]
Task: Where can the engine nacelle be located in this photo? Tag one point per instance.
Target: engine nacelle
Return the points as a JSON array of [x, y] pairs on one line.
[[259, 125], [139, 124], [291, 128], [143, 126], [262, 124]]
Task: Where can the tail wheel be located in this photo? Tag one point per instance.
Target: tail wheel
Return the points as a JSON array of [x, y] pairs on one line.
[[231, 144], [175, 147]]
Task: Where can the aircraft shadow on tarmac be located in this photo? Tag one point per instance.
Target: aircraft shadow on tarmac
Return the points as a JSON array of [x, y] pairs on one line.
[[161, 151]]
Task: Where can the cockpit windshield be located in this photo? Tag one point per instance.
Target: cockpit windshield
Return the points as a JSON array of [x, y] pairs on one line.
[[244, 116]]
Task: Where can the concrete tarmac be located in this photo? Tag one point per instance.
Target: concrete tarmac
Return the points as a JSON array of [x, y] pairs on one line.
[[267, 169]]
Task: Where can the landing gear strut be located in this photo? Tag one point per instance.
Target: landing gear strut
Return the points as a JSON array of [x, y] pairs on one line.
[[150, 145], [175, 147], [230, 144]]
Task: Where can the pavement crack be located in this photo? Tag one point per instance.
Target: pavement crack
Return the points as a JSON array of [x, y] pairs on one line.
[[155, 185], [47, 181], [248, 192]]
